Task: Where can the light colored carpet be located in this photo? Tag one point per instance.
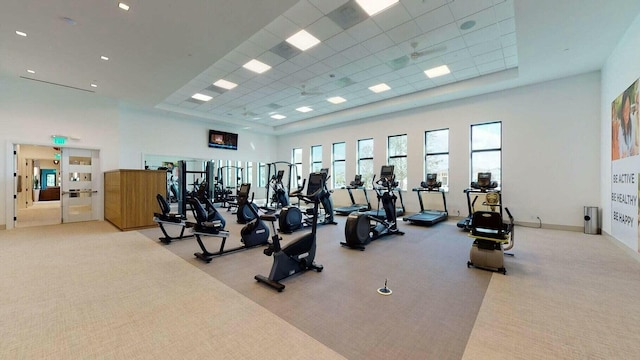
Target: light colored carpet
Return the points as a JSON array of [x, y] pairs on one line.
[[567, 295], [430, 314], [85, 291]]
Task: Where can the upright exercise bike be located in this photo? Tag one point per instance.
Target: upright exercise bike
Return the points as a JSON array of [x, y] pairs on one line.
[[298, 255], [362, 228]]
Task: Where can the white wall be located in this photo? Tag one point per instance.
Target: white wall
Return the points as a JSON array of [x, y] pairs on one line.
[[154, 132], [550, 161], [619, 71], [30, 112]]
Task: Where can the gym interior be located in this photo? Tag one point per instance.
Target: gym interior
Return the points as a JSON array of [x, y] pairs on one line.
[[84, 285]]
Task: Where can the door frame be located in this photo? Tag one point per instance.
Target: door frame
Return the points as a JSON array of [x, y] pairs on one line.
[[11, 183]]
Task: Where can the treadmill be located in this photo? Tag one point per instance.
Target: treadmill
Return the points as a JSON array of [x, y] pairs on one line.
[[355, 184], [485, 186], [429, 217]]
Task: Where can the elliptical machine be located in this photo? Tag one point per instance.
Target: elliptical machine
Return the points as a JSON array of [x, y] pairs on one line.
[[362, 228], [298, 255], [291, 217]]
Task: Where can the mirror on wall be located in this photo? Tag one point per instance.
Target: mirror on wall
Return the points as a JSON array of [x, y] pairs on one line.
[[223, 177]]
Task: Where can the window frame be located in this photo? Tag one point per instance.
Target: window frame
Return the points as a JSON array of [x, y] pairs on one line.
[[444, 179], [366, 178], [474, 174], [334, 161], [402, 182]]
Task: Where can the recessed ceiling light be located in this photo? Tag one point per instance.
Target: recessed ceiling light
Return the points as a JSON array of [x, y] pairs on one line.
[[303, 40], [225, 84], [278, 116], [202, 97], [373, 7], [437, 71], [123, 6], [105, 58], [30, 71], [256, 66], [304, 109], [94, 85], [336, 100], [379, 88], [21, 33]]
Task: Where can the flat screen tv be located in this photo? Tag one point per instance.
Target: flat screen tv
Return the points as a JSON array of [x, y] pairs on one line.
[[223, 140]]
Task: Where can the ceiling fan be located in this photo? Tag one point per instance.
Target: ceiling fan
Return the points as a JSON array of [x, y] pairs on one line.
[[428, 51]]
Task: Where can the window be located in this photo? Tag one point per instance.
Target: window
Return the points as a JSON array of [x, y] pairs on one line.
[[262, 175], [365, 160], [338, 171], [397, 156], [296, 159], [436, 159], [316, 158], [486, 150], [249, 175]]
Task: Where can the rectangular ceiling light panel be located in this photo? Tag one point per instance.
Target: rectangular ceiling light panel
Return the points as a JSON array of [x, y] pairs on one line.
[[379, 88], [437, 71], [336, 100], [225, 84], [304, 109], [202, 97], [303, 40], [256, 66], [373, 7]]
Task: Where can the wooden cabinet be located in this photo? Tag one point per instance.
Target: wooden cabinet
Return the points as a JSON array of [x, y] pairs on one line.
[[130, 197]]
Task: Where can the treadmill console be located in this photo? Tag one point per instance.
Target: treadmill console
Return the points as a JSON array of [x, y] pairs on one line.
[[484, 182], [432, 182], [357, 182]]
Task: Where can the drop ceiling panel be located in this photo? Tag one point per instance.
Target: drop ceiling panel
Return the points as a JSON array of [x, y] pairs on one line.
[[394, 47]]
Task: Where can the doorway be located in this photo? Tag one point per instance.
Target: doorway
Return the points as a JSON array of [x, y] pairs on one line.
[[55, 185]]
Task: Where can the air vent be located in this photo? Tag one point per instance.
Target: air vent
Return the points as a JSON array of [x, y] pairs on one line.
[[344, 82], [285, 50], [348, 15], [216, 89], [399, 63], [274, 106]]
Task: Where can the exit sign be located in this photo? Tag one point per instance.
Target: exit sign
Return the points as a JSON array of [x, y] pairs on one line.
[[59, 140]]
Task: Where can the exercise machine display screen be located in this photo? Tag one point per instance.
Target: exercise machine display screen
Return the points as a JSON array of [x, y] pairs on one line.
[[484, 179], [431, 179], [244, 189], [386, 172], [316, 182]]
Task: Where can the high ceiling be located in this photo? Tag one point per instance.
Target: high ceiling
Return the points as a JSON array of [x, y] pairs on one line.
[[160, 53]]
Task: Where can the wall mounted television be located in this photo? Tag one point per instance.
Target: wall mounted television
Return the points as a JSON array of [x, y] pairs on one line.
[[223, 140]]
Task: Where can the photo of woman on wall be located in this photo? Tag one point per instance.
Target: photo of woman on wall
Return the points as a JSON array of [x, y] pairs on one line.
[[624, 124]]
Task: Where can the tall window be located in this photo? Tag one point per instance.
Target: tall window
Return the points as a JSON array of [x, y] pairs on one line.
[[397, 156], [436, 159], [262, 175], [365, 160], [338, 171], [316, 158], [296, 159], [486, 150], [249, 173]]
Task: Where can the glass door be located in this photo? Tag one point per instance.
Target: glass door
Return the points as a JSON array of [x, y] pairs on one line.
[[79, 183]]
